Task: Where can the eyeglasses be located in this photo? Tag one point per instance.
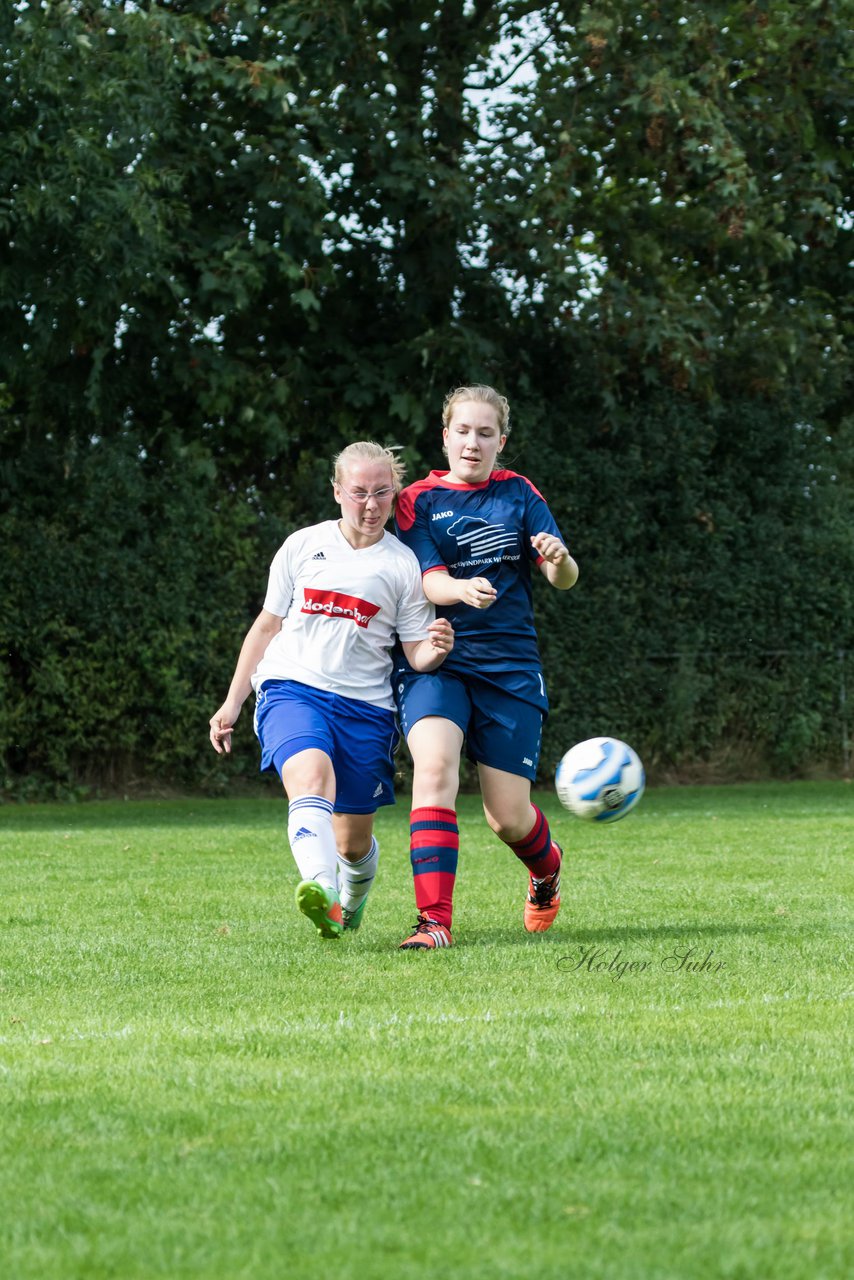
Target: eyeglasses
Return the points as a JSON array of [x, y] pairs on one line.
[[360, 497]]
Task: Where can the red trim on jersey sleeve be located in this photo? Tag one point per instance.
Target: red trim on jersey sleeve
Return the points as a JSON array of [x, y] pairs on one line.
[[514, 475], [435, 568], [407, 498]]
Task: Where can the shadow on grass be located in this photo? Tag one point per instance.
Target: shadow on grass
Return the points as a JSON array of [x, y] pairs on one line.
[[569, 936], [690, 933]]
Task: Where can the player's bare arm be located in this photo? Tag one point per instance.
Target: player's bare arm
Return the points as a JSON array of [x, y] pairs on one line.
[[440, 588], [254, 646], [557, 564], [428, 654]]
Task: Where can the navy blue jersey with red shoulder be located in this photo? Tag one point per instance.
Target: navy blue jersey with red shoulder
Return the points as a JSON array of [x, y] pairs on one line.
[[481, 531]]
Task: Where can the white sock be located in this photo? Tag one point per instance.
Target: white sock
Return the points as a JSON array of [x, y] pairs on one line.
[[312, 841], [356, 878]]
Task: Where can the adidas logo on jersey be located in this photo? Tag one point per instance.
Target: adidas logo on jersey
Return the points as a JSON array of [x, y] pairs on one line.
[[301, 834], [318, 555]]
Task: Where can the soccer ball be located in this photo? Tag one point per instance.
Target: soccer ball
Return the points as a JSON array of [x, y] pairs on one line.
[[600, 779]]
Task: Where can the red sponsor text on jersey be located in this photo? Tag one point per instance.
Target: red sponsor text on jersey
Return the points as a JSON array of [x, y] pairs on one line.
[[335, 605]]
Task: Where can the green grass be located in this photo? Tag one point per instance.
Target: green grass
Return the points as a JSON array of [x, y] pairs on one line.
[[193, 1085]]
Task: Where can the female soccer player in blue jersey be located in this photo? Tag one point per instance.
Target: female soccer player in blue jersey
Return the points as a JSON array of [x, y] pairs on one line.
[[476, 530], [318, 657]]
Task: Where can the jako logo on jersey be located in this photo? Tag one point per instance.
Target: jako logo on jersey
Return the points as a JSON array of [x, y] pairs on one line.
[[479, 537], [336, 605], [442, 515]]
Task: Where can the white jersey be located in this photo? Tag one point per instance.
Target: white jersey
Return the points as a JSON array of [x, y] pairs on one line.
[[341, 610]]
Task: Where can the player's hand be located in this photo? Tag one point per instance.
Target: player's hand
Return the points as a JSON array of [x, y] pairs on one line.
[[478, 592], [441, 635], [222, 725], [550, 548]]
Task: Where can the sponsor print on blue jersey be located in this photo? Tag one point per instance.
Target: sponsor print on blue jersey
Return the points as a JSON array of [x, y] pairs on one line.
[[474, 531], [480, 541]]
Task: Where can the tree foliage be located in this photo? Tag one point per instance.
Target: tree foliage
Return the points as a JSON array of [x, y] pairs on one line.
[[236, 236]]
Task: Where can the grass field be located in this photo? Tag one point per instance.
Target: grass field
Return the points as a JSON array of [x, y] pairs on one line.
[[193, 1085]]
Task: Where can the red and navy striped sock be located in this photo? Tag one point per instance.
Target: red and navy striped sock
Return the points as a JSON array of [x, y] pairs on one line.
[[537, 850], [434, 843]]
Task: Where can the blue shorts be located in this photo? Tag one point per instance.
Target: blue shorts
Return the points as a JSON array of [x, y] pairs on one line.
[[359, 738], [501, 715]]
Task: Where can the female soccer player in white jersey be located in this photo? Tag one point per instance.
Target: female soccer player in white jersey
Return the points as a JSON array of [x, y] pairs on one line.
[[476, 531], [318, 657]]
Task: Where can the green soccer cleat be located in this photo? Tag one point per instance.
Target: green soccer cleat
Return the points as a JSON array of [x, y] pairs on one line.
[[352, 919], [322, 907]]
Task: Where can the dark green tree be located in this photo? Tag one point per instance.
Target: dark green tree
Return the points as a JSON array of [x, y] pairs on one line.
[[237, 235]]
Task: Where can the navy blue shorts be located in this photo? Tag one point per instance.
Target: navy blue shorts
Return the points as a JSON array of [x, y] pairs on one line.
[[359, 738], [500, 715]]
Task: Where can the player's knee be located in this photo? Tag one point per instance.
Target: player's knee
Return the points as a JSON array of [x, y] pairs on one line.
[[508, 825], [308, 782], [495, 823], [437, 775]]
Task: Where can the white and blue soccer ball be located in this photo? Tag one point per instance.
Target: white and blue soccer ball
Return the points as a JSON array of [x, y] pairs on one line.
[[601, 779]]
